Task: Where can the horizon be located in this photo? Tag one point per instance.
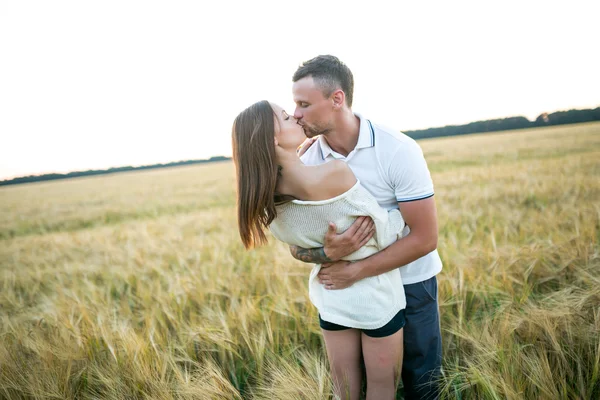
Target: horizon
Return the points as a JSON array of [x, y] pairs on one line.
[[229, 156], [98, 86]]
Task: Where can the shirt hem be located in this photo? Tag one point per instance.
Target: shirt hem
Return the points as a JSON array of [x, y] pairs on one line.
[[420, 278]]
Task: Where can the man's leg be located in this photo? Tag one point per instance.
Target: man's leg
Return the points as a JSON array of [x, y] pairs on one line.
[[421, 368]]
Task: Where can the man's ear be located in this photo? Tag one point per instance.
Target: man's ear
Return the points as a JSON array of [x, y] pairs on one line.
[[339, 98]]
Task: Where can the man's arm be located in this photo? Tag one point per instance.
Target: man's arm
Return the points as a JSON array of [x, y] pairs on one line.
[[421, 217], [316, 255], [336, 246]]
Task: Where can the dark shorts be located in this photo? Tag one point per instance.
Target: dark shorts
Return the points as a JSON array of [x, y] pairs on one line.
[[395, 324]]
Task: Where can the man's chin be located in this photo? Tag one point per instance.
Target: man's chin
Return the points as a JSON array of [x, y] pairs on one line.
[[309, 134]]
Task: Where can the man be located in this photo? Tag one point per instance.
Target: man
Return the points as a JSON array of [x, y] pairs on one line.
[[391, 166]]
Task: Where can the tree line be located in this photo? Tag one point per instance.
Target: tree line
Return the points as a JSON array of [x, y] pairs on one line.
[[492, 125], [506, 124], [75, 174]]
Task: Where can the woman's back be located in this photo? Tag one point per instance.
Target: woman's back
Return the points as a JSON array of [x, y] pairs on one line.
[[320, 182]]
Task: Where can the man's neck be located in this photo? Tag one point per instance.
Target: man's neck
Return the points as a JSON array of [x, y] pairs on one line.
[[344, 138]]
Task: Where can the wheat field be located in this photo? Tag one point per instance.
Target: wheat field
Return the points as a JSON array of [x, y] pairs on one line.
[[136, 285]]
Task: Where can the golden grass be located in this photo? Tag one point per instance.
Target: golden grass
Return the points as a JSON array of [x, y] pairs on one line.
[[135, 285]]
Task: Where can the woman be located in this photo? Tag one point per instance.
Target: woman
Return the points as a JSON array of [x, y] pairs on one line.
[[277, 191]]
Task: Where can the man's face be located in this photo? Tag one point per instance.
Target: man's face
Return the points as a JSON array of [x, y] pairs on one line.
[[314, 111]]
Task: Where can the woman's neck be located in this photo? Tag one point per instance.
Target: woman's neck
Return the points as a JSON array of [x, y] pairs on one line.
[[293, 177]]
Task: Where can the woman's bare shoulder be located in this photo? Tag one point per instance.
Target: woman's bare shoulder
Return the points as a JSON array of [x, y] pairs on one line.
[[328, 180]]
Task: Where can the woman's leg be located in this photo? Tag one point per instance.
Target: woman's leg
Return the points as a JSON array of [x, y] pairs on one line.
[[383, 362], [343, 351]]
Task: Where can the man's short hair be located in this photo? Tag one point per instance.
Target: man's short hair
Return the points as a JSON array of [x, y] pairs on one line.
[[329, 74]]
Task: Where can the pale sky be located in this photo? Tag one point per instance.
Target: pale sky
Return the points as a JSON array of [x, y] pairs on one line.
[[98, 84]]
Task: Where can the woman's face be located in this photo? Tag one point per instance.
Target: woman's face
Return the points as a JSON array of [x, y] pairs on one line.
[[288, 133]]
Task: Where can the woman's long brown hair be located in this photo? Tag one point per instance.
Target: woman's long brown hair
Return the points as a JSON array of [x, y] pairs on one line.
[[253, 142]]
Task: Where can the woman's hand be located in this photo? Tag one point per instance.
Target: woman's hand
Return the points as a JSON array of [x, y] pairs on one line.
[[305, 145]]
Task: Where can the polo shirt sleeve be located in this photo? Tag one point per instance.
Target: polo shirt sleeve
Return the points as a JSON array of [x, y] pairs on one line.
[[409, 174]]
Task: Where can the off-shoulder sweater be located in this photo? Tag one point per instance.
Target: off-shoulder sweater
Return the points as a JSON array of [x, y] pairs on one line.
[[369, 303]]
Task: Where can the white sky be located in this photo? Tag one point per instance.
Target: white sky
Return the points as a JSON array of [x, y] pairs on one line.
[[110, 83]]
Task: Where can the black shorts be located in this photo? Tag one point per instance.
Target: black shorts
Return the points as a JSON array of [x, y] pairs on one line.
[[395, 324]]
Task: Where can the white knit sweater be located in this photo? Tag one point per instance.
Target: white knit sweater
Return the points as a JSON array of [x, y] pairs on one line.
[[371, 302]]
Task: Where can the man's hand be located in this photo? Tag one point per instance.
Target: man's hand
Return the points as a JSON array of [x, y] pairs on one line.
[[305, 145], [339, 275], [337, 246]]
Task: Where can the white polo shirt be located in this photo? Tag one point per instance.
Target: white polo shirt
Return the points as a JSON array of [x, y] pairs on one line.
[[391, 166]]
